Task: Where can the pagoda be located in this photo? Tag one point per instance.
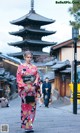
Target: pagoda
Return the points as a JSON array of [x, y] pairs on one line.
[[32, 34]]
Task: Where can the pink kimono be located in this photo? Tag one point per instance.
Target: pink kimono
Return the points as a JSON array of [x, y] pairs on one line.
[[27, 110]]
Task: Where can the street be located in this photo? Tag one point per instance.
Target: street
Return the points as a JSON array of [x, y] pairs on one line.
[[55, 119]]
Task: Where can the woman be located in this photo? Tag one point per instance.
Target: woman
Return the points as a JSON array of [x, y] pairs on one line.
[[28, 88]]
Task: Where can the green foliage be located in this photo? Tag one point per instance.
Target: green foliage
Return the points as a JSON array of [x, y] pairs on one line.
[[75, 11]]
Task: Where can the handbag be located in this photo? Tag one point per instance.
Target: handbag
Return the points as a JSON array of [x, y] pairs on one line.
[[30, 99]]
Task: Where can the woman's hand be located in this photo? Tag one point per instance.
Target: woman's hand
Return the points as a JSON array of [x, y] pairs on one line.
[[46, 89], [33, 88], [29, 89], [26, 89]]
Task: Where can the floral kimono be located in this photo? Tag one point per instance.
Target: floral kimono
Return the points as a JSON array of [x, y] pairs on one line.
[[27, 110]]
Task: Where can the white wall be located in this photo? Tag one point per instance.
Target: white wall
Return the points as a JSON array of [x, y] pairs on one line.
[[68, 54]]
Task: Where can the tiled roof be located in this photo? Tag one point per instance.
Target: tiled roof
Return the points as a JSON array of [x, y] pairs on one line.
[[32, 42], [33, 52], [63, 44], [67, 70], [51, 63], [34, 17], [31, 30], [6, 76], [60, 65], [15, 60], [50, 75]]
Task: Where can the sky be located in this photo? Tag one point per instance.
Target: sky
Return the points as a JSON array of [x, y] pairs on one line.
[[13, 9]]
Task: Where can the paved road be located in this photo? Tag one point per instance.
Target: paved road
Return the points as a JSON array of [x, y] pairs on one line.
[[55, 119]]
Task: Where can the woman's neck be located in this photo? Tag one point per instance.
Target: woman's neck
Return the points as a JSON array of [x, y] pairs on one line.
[[26, 63]]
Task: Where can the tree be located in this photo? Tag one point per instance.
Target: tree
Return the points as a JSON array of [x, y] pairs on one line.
[[75, 11]]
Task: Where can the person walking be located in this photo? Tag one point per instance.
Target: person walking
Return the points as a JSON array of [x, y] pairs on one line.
[[28, 88], [46, 90]]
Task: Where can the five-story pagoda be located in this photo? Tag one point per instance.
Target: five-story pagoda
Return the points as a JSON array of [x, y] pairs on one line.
[[32, 34]]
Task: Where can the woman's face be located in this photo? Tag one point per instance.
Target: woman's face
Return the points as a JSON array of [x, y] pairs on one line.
[[28, 58]]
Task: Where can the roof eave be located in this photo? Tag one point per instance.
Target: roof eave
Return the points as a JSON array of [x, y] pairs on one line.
[[63, 44], [26, 42]]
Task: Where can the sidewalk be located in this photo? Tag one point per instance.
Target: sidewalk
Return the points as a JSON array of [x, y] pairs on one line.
[[58, 118]]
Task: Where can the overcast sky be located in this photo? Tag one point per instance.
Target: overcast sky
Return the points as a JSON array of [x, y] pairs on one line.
[[14, 9]]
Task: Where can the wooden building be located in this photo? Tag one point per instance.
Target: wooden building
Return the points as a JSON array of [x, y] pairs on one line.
[[59, 74], [65, 50], [10, 63], [7, 83], [62, 77]]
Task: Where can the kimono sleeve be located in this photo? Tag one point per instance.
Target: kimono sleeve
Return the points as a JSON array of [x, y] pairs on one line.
[[43, 88], [19, 79], [37, 80], [37, 83]]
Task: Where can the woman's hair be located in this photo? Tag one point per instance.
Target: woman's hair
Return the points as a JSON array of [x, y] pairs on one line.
[[26, 53]]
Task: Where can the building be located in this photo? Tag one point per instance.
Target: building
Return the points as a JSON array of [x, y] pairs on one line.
[[32, 33], [7, 83], [65, 50], [62, 71]]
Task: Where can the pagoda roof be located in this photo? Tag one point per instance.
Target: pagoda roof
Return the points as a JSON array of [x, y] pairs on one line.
[[34, 53], [32, 42], [23, 32], [31, 17]]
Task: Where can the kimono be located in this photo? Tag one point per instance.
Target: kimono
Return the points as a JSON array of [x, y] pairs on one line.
[[27, 110]]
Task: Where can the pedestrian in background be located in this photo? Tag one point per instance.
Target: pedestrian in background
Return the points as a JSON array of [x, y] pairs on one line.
[[28, 87], [46, 90]]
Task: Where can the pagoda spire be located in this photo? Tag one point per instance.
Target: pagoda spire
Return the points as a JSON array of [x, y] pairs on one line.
[[32, 5]]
